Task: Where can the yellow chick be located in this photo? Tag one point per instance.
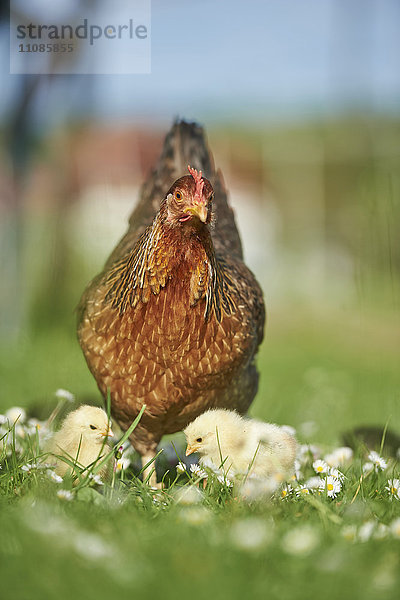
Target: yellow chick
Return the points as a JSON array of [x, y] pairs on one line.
[[81, 438], [240, 445]]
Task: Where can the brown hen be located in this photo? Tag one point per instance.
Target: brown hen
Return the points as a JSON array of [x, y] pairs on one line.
[[175, 318]]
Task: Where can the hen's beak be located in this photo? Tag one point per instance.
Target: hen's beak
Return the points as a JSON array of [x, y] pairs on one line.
[[190, 450], [199, 211]]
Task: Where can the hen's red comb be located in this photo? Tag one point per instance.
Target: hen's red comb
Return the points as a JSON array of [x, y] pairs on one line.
[[197, 176]]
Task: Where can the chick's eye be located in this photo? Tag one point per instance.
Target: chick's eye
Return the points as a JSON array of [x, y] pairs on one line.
[[199, 440], [178, 196], [93, 427]]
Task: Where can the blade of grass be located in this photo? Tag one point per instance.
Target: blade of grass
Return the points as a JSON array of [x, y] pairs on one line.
[[148, 464], [384, 436], [127, 433], [323, 509]]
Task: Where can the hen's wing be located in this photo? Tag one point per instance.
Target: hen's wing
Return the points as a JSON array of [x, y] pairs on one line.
[[184, 144]]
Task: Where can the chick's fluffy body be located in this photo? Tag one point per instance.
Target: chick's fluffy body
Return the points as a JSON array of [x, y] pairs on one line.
[[241, 445], [77, 440]]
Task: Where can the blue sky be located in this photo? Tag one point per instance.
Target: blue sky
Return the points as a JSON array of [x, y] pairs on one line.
[[270, 59]]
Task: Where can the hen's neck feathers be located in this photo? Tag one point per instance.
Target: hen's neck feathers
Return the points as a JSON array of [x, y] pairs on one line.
[[166, 254]]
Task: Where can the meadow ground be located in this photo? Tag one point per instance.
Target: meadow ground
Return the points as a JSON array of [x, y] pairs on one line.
[[321, 375]]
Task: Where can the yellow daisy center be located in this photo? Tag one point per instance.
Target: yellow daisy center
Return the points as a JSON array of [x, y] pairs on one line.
[[329, 487]]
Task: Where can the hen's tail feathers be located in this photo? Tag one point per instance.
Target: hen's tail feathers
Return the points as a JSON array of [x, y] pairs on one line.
[[184, 144]]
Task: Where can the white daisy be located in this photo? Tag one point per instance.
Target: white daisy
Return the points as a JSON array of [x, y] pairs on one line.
[[286, 491], [53, 475], [331, 485], [297, 472], [300, 541], [305, 450], [96, 479], [349, 532], [64, 395], [123, 463], [302, 490], [65, 495], [224, 480], [381, 531], [206, 462], [339, 456], [126, 446], [181, 468], [393, 487], [367, 467], [336, 474], [377, 460], [28, 467], [198, 471], [91, 546], [320, 466], [366, 530], [257, 488], [33, 425], [14, 413], [20, 431], [251, 533], [313, 483]]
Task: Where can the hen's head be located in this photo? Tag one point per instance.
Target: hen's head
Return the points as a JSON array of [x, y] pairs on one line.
[[189, 200]]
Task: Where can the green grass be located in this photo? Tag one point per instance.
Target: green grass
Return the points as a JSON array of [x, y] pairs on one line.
[[128, 541], [337, 368]]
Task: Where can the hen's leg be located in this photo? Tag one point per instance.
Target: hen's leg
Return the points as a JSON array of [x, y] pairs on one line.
[[151, 469]]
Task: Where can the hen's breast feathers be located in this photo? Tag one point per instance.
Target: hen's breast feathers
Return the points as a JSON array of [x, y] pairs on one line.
[[160, 256], [166, 308]]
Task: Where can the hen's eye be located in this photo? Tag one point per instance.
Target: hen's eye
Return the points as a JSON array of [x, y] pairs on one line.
[[93, 427], [178, 195], [199, 440]]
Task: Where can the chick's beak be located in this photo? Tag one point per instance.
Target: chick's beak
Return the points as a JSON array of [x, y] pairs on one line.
[[108, 433], [190, 449], [199, 211]]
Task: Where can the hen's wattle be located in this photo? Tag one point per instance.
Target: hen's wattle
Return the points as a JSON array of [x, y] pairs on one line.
[[175, 318]]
